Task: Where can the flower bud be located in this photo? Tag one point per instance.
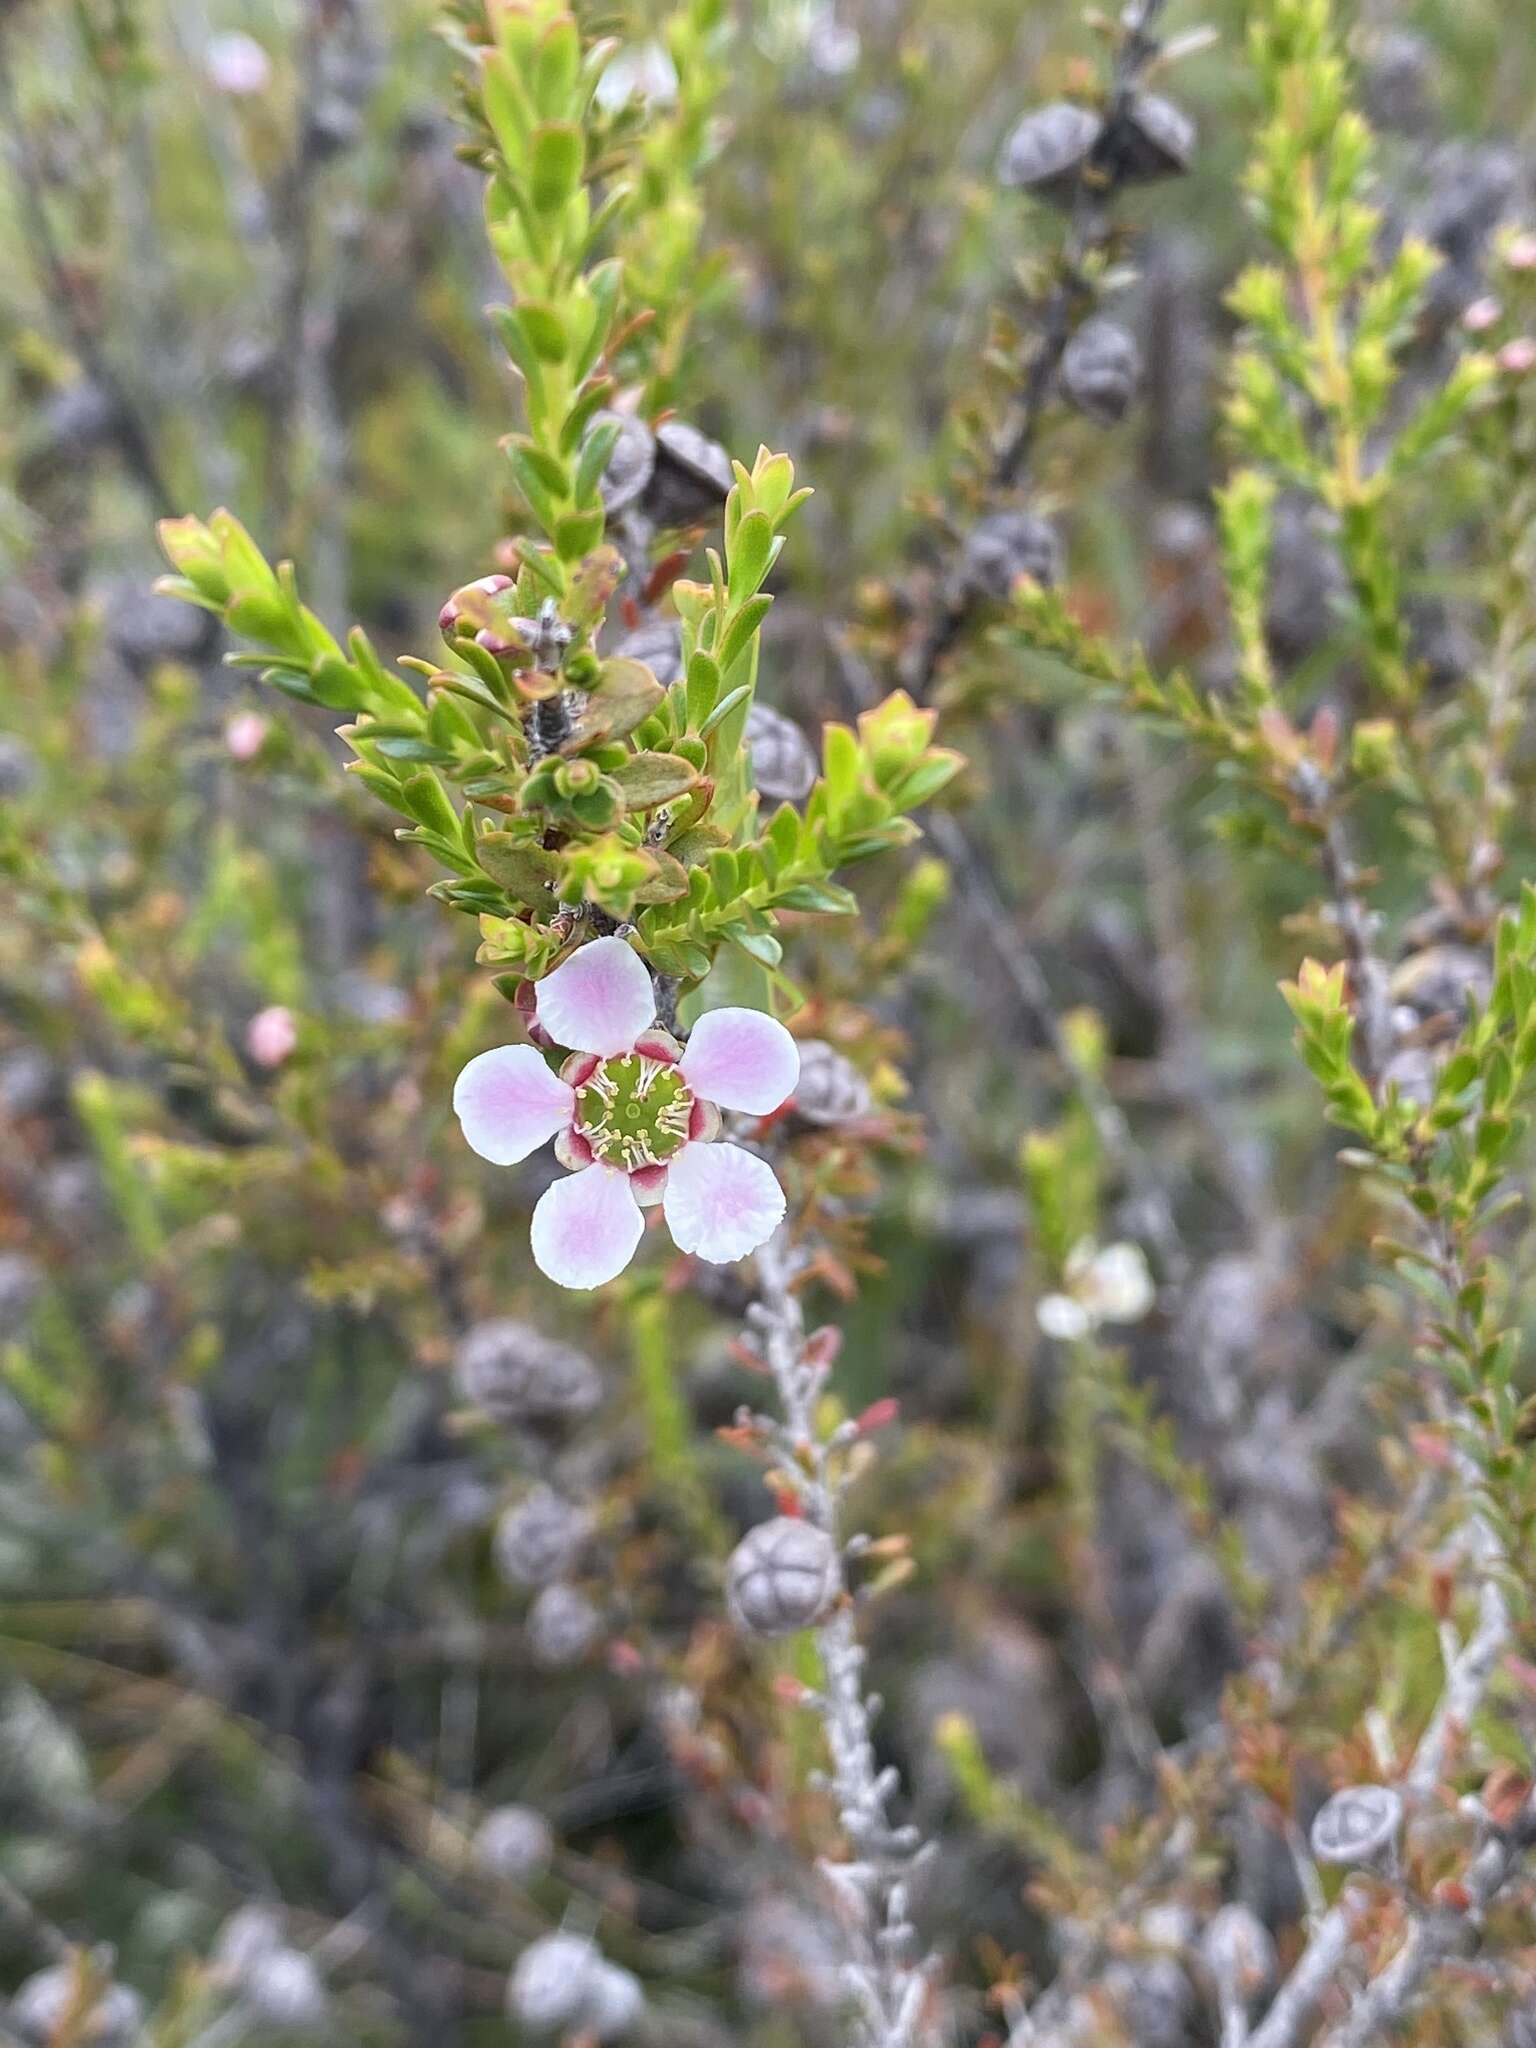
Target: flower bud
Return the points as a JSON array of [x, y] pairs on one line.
[[1358, 1825], [780, 1576], [1100, 370], [539, 1539]]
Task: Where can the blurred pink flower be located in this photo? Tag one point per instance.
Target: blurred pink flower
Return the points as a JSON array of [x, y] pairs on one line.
[[633, 1115], [271, 1035], [244, 735], [237, 64]]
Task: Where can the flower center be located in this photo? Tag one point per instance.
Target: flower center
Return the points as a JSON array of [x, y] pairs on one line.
[[634, 1111]]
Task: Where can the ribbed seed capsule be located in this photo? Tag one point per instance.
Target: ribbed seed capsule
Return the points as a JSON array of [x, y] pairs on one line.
[[562, 1626], [1005, 546], [830, 1090], [1358, 1825], [539, 1539], [1100, 370], [517, 1375], [1046, 151], [783, 765], [1152, 139], [780, 1577]]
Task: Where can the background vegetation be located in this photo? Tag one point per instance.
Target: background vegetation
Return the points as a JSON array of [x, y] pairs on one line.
[[1144, 1592]]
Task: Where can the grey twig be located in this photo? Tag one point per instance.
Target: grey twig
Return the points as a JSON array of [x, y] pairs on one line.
[[873, 1886]]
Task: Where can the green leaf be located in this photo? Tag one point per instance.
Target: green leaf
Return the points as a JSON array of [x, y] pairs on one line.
[[556, 162], [651, 779], [519, 864]]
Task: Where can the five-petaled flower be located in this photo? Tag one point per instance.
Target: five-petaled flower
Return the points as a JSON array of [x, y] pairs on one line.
[[1108, 1286], [634, 1115]]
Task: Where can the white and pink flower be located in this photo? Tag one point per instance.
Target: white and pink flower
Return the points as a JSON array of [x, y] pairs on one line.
[[635, 1116]]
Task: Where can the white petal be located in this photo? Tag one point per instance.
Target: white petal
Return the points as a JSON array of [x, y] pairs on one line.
[[1120, 1284], [1061, 1317], [586, 1228], [721, 1202], [742, 1060], [510, 1103], [600, 1000]]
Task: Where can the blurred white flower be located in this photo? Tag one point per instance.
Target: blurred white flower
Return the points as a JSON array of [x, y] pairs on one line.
[[643, 71], [1109, 1286], [236, 63]]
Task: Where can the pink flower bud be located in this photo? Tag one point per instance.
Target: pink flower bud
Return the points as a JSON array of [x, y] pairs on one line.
[[1516, 357], [244, 735], [1481, 315], [271, 1036], [1521, 253]]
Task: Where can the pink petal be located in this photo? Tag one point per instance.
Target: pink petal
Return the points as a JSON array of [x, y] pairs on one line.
[[741, 1060], [586, 1228], [721, 1202], [509, 1103], [600, 1000]]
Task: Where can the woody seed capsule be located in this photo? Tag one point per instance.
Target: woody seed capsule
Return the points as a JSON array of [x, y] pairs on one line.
[[780, 1577], [1358, 1825], [783, 766], [1100, 370], [539, 1539], [1004, 546], [1046, 152]]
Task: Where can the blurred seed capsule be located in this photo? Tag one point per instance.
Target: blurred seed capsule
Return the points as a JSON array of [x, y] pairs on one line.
[[1358, 1825], [783, 764], [1004, 546], [830, 1090], [1046, 152], [1152, 139], [540, 1538], [514, 1842], [659, 644], [692, 477], [629, 466], [780, 1577], [563, 1625], [1100, 370], [518, 1375]]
